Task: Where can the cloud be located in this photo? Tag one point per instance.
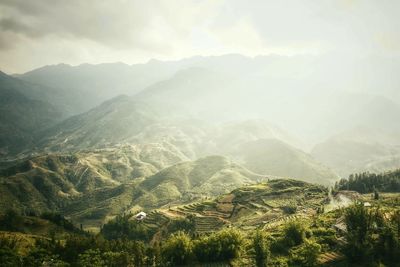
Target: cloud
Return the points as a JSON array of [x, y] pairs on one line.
[[35, 33], [117, 24]]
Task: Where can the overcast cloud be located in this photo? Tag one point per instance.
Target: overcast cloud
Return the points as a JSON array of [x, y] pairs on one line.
[[40, 32]]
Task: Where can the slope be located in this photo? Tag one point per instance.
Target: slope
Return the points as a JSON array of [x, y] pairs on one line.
[[91, 186], [274, 157], [205, 177], [21, 118], [360, 149], [65, 182], [257, 205], [111, 122]]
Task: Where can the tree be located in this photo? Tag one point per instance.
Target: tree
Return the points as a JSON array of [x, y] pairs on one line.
[[294, 233], [376, 194], [11, 221], [116, 259], [9, 257], [90, 258], [306, 254], [123, 227], [42, 257], [358, 223], [224, 245], [178, 249], [261, 250], [8, 252]]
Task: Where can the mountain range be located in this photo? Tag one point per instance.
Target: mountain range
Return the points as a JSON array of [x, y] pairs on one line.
[[92, 141]]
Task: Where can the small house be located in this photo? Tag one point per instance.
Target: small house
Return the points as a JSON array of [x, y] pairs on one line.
[[140, 216], [367, 204]]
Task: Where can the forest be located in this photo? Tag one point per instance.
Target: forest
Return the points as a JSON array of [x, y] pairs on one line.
[[370, 182]]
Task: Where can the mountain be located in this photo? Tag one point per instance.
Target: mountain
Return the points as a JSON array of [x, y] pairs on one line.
[[274, 157], [22, 117], [89, 85], [113, 121], [294, 93], [360, 149], [90, 186], [260, 146], [209, 176]]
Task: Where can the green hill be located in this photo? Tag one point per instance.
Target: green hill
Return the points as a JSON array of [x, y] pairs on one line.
[[255, 143], [83, 183], [90, 187], [21, 117], [205, 177], [112, 122], [259, 205]]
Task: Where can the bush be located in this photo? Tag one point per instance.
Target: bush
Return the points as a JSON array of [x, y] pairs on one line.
[[359, 244], [123, 227], [306, 254], [289, 209], [371, 238], [261, 250], [90, 258], [59, 220], [185, 224], [294, 234], [9, 257], [224, 245], [177, 250], [11, 221], [42, 257]]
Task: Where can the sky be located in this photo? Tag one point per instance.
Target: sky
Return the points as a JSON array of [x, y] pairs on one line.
[[45, 32]]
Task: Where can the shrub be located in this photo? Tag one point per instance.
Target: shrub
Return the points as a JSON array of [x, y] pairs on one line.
[[177, 250], [261, 250], [306, 254], [294, 234], [123, 227], [90, 258], [224, 245]]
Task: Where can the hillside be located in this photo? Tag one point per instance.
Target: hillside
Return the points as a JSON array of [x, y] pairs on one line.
[[79, 182], [258, 205], [261, 146], [87, 85], [288, 215], [112, 122], [271, 156], [205, 177], [91, 186], [360, 149], [21, 117]]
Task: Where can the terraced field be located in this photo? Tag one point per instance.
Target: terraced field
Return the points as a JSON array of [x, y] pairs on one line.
[[156, 219], [265, 205], [207, 224]]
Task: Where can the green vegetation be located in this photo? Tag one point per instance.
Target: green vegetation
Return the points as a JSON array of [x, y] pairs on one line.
[[261, 249], [91, 186], [178, 250], [22, 116], [371, 182], [369, 236], [126, 227], [74, 169], [372, 235]]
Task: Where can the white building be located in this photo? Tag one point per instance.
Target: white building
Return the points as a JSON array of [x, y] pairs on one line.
[[140, 216]]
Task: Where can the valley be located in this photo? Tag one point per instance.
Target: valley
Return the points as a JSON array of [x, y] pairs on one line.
[[223, 166]]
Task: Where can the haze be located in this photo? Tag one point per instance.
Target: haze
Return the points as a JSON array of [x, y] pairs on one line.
[[38, 33]]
